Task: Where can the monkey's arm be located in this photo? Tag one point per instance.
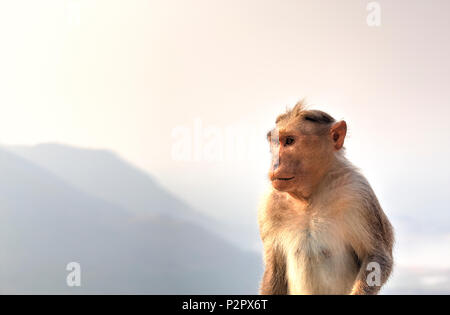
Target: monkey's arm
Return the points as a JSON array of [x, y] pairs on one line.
[[274, 279], [374, 271], [371, 236]]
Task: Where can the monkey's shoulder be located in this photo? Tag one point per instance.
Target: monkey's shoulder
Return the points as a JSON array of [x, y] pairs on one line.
[[360, 213], [351, 194]]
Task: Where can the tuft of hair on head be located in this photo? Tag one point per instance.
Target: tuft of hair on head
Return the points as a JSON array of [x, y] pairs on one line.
[[300, 111], [294, 112], [300, 114]]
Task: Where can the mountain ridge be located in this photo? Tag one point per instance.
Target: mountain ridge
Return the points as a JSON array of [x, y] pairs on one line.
[[46, 223]]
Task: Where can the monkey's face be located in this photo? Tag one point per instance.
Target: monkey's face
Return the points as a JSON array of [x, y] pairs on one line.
[[299, 159]]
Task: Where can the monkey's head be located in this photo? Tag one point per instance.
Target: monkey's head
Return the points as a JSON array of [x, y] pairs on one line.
[[304, 145]]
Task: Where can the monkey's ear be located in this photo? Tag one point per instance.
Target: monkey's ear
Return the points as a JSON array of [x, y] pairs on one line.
[[338, 132]]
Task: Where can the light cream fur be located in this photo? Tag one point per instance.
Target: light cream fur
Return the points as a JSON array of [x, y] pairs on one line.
[[319, 239]]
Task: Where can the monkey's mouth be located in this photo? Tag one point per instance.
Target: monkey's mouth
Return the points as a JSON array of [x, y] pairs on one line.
[[284, 178]]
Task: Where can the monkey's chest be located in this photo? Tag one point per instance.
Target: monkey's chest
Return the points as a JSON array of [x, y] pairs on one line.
[[318, 260]]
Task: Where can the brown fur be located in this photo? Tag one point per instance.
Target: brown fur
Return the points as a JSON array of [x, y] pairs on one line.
[[321, 228]]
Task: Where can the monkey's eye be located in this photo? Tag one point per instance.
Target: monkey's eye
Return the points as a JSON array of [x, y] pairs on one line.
[[289, 141]]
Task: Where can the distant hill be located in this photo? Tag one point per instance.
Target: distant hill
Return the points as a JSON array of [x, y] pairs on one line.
[[47, 222], [105, 175]]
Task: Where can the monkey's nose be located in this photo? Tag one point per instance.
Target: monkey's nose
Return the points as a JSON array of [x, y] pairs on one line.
[[275, 164]]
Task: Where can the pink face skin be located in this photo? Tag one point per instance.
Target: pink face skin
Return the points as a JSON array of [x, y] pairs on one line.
[[299, 160]]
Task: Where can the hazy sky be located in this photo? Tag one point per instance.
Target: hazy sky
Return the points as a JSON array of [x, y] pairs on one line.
[[123, 75]]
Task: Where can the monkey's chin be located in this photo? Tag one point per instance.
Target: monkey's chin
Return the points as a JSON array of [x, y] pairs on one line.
[[282, 184]]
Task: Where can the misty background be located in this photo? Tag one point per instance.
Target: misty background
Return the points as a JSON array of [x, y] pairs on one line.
[[98, 97]]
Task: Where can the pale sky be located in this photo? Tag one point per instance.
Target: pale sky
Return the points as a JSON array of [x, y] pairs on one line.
[[121, 75]]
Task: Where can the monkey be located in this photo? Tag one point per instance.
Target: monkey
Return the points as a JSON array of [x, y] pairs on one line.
[[321, 225]]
